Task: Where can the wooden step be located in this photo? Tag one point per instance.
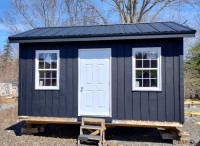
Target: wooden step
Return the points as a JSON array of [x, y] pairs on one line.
[[91, 127], [84, 137], [93, 120]]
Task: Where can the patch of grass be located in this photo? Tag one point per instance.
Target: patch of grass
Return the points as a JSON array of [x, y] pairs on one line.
[[196, 80]]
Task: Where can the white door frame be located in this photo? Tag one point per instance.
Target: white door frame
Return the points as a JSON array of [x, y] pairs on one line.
[[95, 49]]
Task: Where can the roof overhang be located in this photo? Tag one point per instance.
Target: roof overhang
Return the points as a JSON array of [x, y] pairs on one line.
[[99, 38]]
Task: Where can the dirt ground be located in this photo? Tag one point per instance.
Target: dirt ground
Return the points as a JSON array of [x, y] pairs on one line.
[[58, 134], [6, 100]]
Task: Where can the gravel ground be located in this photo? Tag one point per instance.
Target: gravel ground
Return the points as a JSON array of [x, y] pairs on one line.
[[58, 134]]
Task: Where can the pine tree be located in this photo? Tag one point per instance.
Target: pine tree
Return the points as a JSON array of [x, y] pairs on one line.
[[193, 59], [7, 53]]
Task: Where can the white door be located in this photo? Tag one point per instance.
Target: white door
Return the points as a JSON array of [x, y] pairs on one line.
[[94, 82]]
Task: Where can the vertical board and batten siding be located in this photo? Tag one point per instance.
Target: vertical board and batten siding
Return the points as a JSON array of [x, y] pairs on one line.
[[165, 105]]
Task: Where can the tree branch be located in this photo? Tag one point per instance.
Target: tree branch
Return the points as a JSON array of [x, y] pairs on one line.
[[92, 6]]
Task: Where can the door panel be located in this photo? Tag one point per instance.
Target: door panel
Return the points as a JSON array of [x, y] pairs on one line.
[[94, 82]]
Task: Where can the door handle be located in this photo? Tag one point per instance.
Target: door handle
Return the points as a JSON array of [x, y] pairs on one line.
[[81, 89]]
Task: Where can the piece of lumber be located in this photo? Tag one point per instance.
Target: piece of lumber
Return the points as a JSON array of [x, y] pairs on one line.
[[90, 127], [84, 137], [153, 124], [29, 131], [93, 120], [95, 132], [166, 135], [191, 102]]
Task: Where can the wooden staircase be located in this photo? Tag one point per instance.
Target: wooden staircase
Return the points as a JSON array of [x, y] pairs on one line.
[[92, 129]]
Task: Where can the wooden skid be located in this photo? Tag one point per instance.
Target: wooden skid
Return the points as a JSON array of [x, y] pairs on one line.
[[130, 123], [177, 136], [29, 129]]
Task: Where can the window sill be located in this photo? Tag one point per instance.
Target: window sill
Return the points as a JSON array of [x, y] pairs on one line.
[[57, 88], [146, 89]]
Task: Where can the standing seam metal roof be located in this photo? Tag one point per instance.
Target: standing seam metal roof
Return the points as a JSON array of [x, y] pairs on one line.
[[134, 29]]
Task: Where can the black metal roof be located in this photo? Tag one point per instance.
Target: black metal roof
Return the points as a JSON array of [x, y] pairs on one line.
[[107, 31]]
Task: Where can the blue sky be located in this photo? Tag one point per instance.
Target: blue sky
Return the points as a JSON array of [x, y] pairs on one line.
[[3, 30], [188, 13]]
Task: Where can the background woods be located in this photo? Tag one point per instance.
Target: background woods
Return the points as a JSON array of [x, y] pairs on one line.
[[23, 15]]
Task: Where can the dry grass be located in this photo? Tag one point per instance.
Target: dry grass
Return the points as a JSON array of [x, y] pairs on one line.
[[4, 100], [9, 115]]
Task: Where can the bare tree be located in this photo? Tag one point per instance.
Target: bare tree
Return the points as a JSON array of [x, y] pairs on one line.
[[131, 11], [26, 14]]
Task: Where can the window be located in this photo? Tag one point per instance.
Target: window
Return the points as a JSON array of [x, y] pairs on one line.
[[147, 69], [47, 69]]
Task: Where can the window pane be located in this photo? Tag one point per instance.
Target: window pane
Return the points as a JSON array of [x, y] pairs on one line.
[[41, 65], [47, 65], [54, 82], [145, 82], [145, 54], [54, 74], [154, 63], [48, 74], [145, 73], [54, 64], [153, 83], [41, 74], [41, 56], [47, 82], [53, 56], [153, 73], [47, 56], [153, 54], [138, 73], [146, 63], [41, 82], [138, 63], [138, 83], [138, 54]]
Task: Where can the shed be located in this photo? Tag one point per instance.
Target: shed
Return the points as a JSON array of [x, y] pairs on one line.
[[127, 74]]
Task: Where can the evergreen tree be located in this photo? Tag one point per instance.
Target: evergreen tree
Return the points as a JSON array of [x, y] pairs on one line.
[[7, 53], [193, 59]]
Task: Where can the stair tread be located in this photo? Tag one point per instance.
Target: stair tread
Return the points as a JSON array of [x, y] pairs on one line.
[[91, 127], [94, 120], [91, 137]]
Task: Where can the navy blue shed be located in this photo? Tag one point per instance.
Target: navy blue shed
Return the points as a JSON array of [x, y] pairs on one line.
[[129, 74]]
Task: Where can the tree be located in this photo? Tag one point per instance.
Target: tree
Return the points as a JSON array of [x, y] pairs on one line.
[[131, 11], [27, 14], [193, 59], [192, 72], [7, 53]]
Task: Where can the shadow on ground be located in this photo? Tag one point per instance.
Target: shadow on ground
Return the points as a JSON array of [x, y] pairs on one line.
[[16, 128], [198, 144], [118, 134]]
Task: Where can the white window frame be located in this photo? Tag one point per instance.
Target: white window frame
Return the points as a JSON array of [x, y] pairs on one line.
[[159, 73], [37, 87]]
